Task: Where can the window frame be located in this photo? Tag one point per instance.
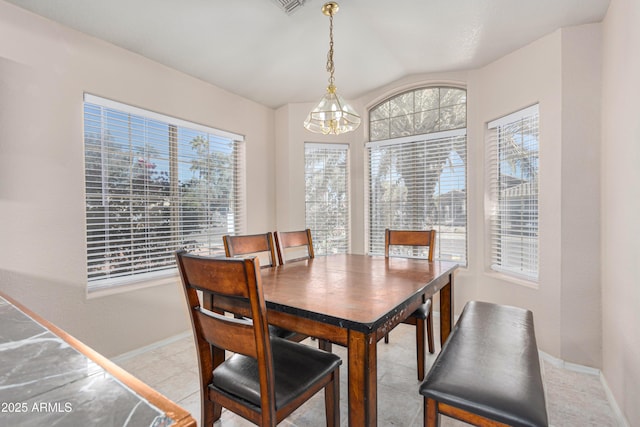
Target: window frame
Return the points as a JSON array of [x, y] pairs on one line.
[[387, 110], [320, 245], [528, 116], [453, 129], [173, 160]]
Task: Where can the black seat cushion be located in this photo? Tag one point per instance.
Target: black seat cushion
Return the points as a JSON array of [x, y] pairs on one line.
[[296, 368], [489, 366], [422, 312]]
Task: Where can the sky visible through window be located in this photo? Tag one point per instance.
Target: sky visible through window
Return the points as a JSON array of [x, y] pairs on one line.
[[453, 176], [148, 140]]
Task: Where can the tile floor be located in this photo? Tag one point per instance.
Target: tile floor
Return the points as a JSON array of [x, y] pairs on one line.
[[573, 399]]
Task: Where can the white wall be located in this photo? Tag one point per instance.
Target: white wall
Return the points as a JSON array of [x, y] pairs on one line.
[[620, 183], [562, 72], [527, 76], [581, 301], [44, 70]]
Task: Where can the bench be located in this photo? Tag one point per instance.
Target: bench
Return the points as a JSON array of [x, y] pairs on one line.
[[488, 371]]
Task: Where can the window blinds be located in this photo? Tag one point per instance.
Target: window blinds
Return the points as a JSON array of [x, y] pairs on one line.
[[419, 182], [513, 159], [155, 184], [327, 196]]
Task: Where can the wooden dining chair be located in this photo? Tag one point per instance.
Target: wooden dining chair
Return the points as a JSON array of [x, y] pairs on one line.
[[266, 378], [298, 243], [254, 244], [258, 244], [422, 317]]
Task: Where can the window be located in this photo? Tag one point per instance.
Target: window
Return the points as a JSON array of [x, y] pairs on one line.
[[417, 112], [513, 151], [327, 196], [417, 160], [155, 184]]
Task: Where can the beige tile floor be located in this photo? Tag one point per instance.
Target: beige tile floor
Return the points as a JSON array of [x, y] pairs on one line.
[[573, 399]]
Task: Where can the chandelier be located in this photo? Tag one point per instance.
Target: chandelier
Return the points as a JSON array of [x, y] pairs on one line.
[[332, 115]]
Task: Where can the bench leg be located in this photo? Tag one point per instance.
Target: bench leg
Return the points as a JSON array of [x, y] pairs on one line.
[[431, 416]]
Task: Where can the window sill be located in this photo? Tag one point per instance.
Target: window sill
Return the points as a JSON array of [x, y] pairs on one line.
[[512, 279], [169, 279]]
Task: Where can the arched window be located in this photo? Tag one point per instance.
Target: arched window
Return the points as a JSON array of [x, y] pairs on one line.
[[419, 111], [417, 158]]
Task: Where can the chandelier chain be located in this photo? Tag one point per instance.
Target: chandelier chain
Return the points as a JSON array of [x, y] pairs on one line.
[[330, 65]]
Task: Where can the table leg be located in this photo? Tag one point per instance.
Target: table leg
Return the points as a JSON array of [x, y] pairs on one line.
[[446, 310], [363, 379]]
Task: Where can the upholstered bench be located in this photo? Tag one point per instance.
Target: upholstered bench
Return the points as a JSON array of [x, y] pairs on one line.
[[488, 371]]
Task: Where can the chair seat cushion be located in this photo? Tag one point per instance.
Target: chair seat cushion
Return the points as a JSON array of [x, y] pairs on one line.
[[422, 312], [296, 368]]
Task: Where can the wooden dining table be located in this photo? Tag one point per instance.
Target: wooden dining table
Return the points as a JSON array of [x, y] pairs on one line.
[[353, 301]]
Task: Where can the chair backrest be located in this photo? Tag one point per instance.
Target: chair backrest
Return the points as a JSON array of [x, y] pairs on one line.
[[298, 240], [232, 278], [413, 238], [254, 244]]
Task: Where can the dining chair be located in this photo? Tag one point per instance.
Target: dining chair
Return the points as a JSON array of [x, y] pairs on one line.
[[266, 378], [254, 244], [422, 317], [298, 243], [258, 244]]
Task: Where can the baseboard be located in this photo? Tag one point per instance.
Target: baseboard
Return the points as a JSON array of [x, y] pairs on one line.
[[138, 351], [617, 412], [559, 363]]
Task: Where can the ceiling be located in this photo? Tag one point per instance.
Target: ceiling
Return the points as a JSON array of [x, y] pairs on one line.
[[254, 49]]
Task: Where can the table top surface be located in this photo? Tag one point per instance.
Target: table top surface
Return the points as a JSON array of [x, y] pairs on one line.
[[44, 380], [356, 291]]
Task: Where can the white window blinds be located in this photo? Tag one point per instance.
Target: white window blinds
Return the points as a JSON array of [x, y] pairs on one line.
[[155, 184], [513, 160], [419, 182], [327, 196]]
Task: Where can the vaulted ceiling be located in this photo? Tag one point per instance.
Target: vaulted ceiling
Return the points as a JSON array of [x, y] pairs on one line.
[[255, 49]]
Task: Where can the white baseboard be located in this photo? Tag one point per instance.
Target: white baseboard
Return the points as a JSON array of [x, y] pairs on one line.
[[152, 346], [559, 363], [617, 412]]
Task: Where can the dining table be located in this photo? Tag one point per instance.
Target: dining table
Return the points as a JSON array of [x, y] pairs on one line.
[[354, 300], [48, 377]]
